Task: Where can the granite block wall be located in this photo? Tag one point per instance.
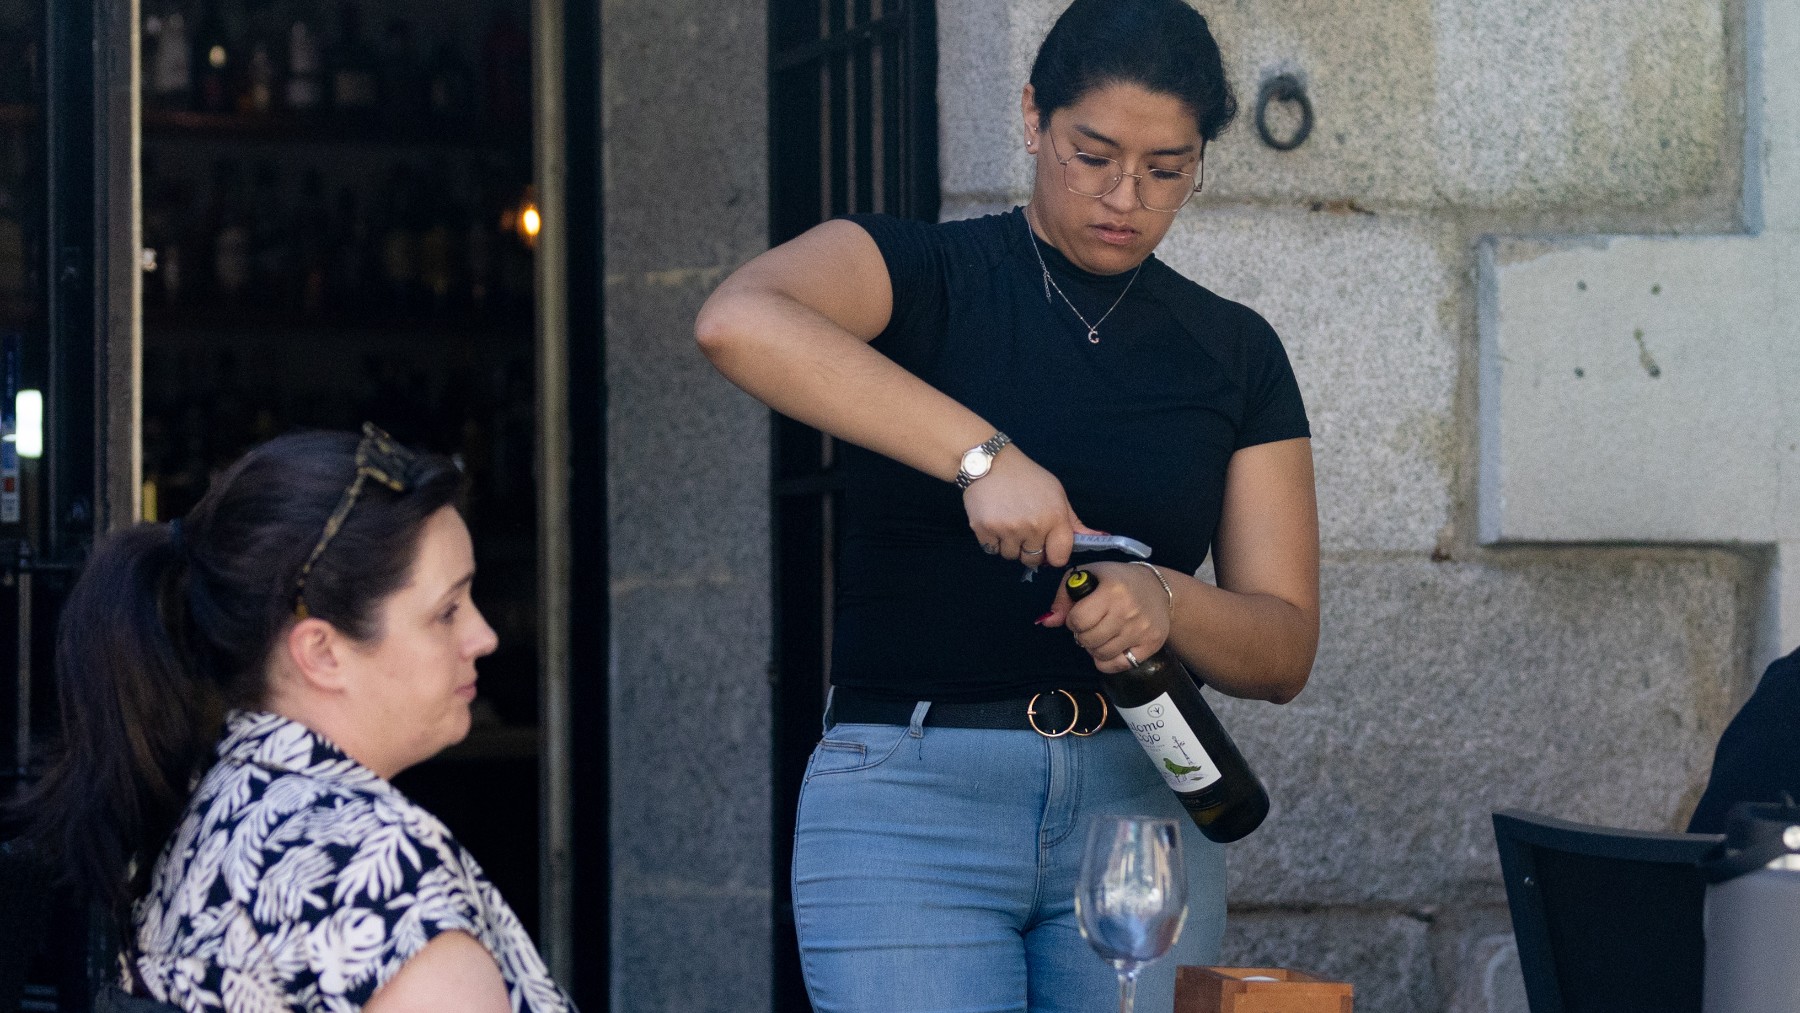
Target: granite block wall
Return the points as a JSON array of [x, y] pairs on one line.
[[1453, 678], [686, 200]]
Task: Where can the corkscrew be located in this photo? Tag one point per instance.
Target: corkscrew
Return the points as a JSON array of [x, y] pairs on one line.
[[1100, 543]]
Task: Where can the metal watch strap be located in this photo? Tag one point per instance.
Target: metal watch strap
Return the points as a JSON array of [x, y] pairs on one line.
[[991, 447]]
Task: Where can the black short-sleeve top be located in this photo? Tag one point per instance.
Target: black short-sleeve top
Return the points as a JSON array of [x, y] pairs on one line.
[[1139, 427]]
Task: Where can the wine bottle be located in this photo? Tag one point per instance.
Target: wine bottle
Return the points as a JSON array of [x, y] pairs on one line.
[[169, 70], [213, 52], [355, 68], [1162, 705], [305, 91]]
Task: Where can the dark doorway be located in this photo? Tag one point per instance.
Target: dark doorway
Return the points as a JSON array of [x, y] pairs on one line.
[[340, 226], [340, 221], [852, 128]]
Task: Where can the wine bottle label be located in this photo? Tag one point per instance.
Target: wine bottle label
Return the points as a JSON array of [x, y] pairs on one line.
[[1172, 745]]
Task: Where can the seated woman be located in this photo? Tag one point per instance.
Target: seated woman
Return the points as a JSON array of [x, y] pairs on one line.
[[237, 689], [1758, 759]]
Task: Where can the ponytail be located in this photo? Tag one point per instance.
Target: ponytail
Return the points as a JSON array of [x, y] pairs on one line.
[[139, 717], [168, 627]]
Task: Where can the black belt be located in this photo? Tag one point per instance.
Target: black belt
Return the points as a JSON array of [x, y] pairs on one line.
[[1052, 713]]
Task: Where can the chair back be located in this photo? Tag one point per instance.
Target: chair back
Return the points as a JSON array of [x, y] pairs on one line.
[[1607, 920], [23, 919], [112, 999]]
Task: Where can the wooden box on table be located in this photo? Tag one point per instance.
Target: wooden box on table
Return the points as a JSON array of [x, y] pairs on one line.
[[1251, 990]]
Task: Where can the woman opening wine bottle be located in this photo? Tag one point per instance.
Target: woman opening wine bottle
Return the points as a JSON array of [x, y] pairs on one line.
[[1002, 384]]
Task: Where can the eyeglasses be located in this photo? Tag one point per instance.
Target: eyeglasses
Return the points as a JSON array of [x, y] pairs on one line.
[[378, 457], [1161, 190]]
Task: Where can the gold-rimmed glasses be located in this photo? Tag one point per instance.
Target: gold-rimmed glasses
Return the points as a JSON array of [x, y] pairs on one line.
[[1164, 191], [378, 457]]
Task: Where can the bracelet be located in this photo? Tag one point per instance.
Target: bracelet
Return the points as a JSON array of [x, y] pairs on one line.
[[1160, 579]]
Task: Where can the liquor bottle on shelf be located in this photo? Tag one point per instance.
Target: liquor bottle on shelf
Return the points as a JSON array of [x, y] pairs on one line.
[[212, 61], [1162, 705], [21, 58], [449, 84], [312, 232], [506, 72], [258, 97], [231, 233], [402, 100], [14, 284], [166, 214], [399, 241], [169, 67], [440, 253], [271, 241], [479, 260], [349, 260], [305, 91], [355, 70]]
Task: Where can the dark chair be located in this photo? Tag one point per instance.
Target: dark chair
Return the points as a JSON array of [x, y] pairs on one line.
[[1607, 920], [23, 899], [112, 1000]]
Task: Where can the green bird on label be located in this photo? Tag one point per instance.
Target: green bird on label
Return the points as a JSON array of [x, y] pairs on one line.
[[1177, 769]]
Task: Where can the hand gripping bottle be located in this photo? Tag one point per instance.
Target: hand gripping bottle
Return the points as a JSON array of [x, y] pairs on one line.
[[1162, 705]]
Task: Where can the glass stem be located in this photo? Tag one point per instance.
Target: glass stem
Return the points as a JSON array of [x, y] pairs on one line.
[[1127, 991]]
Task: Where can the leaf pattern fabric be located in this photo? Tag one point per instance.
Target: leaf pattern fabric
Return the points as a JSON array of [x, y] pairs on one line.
[[299, 880]]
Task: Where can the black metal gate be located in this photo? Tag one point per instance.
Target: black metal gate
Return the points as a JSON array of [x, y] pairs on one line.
[[852, 128]]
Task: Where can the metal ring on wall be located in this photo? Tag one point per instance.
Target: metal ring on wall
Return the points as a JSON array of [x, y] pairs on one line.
[[1283, 88]]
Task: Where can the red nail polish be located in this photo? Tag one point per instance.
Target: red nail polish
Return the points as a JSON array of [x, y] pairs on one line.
[[1039, 621]]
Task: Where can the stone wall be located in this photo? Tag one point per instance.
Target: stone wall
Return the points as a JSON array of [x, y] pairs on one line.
[[686, 201], [1454, 678]]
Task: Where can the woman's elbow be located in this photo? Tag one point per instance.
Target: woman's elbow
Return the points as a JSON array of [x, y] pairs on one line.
[[1287, 685], [1290, 678], [712, 326]]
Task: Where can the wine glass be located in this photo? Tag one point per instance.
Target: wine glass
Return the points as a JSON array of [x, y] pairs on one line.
[[1132, 898]]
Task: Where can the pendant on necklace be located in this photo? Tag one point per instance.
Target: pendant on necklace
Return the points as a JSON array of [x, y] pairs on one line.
[[1093, 336]]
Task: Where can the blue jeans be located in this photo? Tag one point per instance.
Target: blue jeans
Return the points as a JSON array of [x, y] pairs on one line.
[[935, 870]]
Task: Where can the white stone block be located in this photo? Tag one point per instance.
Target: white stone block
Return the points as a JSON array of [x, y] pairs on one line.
[[1640, 390], [1772, 196]]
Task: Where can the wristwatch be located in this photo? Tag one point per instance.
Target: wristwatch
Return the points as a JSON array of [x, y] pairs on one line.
[[977, 460]]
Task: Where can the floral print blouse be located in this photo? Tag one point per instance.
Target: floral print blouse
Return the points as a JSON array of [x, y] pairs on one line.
[[301, 881]]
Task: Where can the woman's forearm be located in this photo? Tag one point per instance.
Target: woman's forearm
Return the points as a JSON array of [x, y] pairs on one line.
[[799, 362], [1256, 646]]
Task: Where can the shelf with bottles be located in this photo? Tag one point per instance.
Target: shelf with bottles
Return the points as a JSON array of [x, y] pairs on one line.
[[283, 71], [361, 328], [438, 247], [332, 129]]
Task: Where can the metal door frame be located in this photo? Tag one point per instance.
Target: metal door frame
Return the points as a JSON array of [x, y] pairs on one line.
[[833, 150], [574, 865]]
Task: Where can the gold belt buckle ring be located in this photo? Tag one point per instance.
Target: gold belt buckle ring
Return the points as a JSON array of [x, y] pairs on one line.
[[1031, 715], [1105, 712], [1074, 719]]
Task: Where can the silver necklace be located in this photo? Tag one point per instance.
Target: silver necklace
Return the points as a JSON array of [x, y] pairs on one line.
[[1093, 329]]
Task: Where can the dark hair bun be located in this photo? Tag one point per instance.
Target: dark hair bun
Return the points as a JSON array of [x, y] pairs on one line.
[[1162, 45]]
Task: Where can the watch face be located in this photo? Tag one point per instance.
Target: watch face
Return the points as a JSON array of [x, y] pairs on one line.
[[976, 463]]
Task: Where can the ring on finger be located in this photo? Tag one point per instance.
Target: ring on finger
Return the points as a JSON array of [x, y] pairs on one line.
[[1031, 552], [1132, 658]]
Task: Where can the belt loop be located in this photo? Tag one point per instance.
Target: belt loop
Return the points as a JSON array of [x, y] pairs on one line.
[[825, 719], [917, 728]]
